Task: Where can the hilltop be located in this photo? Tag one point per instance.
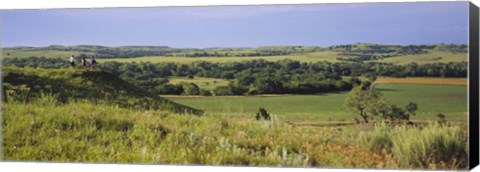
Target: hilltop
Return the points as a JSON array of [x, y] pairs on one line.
[[93, 85]]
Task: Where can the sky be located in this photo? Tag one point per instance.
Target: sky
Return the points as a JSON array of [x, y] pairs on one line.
[[240, 26]]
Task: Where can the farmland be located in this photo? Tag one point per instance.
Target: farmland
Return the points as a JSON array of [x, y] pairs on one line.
[[431, 57], [431, 99], [423, 80], [321, 56], [330, 56]]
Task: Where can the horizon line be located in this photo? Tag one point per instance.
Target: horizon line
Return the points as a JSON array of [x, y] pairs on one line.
[[107, 46]]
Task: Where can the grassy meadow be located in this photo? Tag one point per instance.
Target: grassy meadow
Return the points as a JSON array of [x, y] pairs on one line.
[[313, 57], [80, 131], [432, 56]]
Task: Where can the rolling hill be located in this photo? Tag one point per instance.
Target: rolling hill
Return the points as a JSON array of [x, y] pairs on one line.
[[360, 52], [91, 85]]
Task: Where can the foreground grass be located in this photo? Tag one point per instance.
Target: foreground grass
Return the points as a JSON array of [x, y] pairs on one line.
[[43, 130]]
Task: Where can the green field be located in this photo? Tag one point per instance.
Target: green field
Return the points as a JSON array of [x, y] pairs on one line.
[[431, 57], [323, 56], [40, 53], [203, 83], [431, 99], [307, 57]]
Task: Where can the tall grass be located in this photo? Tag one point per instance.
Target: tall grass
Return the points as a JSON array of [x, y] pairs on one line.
[[431, 146], [82, 131]]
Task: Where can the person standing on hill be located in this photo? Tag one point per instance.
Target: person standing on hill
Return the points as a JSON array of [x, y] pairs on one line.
[[84, 62], [72, 61], [92, 62]]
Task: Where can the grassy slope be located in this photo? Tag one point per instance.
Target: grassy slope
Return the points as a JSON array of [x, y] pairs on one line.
[[428, 58], [80, 132], [70, 84], [431, 100]]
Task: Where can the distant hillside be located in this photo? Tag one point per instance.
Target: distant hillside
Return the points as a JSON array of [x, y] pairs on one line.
[[71, 85], [348, 52]]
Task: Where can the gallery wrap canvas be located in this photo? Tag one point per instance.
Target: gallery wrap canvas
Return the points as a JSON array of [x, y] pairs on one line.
[[318, 86]]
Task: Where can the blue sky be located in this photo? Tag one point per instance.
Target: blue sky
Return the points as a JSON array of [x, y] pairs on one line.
[[240, 26]]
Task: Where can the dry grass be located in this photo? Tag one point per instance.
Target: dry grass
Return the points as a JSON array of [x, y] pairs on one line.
[[422, 80]]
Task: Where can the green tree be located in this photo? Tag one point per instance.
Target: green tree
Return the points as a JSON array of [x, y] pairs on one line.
[[365, 102], [190, 89], [397, 113]]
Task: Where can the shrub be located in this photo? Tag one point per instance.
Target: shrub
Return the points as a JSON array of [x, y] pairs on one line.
[[18, 93], [262, 113], [204, 92]]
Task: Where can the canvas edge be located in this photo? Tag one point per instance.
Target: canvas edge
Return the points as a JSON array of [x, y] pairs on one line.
[[473, 76]]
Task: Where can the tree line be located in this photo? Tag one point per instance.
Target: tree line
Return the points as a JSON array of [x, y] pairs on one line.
[[256, 76]]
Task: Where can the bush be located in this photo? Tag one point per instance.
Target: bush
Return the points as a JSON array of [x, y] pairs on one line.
[[262, 113], [205, 92], [18, 93]]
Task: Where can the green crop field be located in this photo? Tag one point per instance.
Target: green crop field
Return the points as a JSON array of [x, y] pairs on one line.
[[431, 99], [431, 57]]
